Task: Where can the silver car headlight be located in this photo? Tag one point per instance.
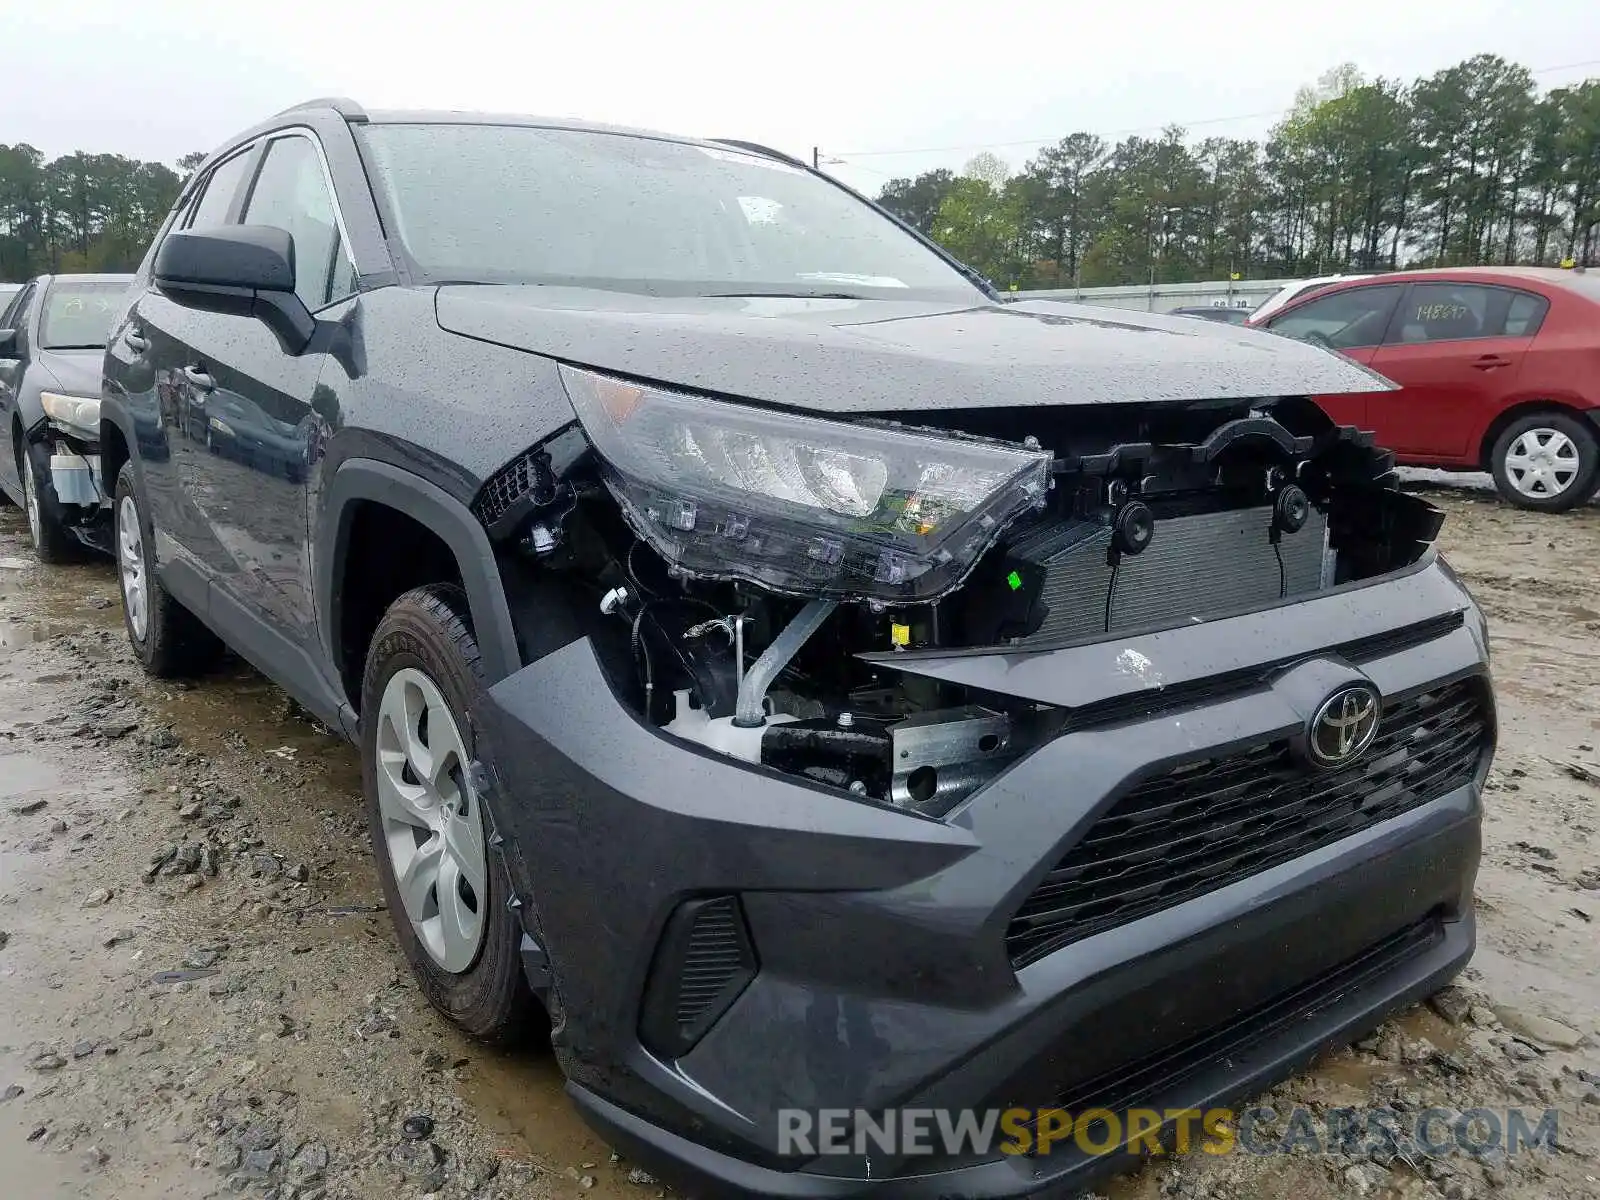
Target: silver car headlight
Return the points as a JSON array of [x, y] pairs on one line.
[[77, 414]]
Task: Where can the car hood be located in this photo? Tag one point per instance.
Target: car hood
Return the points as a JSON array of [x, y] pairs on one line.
[[864, 356], [76, 372]]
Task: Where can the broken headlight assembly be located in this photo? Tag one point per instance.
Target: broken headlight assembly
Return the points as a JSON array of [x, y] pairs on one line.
[[79, 415], [802, 505]]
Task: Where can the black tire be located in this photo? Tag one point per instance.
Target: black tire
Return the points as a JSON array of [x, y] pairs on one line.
[[429, 629], [175, 643], [1583, 483], [52, 541]]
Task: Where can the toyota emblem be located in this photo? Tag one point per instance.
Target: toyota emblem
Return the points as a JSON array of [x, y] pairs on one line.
[[1343, 726]]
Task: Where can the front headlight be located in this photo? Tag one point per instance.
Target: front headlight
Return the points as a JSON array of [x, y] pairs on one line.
[[81, 414], [799, 504]]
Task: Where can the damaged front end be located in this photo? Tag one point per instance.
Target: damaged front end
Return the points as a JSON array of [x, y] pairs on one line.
[[63, 450], [753, 580]]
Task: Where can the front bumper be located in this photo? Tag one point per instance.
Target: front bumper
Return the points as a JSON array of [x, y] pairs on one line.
[[884, 980], [76, 476]]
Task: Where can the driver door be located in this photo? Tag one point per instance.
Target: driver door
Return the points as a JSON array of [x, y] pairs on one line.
[[247, 470]]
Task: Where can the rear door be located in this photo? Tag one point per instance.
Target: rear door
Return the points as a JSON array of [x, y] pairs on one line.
[[148, 362], [1456, 350], [1350, 320]]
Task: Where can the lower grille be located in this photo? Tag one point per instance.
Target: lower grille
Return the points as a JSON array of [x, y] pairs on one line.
[[1205, 824], [1138, 1082]]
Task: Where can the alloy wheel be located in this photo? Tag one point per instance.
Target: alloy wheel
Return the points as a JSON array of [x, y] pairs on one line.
[[130, 564], [1542, 463], [431, 823]]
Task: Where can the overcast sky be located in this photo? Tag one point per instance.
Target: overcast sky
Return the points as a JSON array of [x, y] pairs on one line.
[[158, 78]]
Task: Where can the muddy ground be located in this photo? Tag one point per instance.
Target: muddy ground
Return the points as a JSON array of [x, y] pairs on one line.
[[199, 994]]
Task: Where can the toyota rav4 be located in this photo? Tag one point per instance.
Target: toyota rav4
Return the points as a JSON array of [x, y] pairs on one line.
[[806, 680]]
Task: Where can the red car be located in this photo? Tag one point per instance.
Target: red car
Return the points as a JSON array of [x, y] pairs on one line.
[[1499, 369]]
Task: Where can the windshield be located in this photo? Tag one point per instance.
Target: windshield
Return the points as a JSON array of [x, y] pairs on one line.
[[518, 204], [78, 316]]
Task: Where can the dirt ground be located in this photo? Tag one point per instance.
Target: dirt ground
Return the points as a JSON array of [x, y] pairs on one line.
[[199, 994]]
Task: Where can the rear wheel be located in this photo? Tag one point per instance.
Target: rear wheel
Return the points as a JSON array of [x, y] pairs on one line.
[[429, 833], [167, 638], [1548, 461]]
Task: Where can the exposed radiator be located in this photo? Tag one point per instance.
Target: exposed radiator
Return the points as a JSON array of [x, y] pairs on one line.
[[1196, 566]]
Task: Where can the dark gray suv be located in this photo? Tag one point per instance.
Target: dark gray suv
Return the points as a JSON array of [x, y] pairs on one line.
[[810, 682]]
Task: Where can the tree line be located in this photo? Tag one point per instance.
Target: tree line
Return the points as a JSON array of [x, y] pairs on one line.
[[81, 212], [1469, 166]]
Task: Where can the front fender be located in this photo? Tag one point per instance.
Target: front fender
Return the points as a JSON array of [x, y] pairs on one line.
[[36, 378], [366, 479]]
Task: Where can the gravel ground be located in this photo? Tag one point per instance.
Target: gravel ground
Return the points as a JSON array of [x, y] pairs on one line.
[[199, 993]]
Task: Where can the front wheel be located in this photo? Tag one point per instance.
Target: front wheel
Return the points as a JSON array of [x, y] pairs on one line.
[[1548, 462], [448, 901], [52, 541]]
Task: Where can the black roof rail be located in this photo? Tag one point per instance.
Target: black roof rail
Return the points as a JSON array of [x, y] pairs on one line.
[[346, 108], [764, 151]]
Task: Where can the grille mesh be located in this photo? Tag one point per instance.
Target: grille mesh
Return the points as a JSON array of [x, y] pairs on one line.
[[713, 958], [506, 486], [1139, 1081], [1208, 823]]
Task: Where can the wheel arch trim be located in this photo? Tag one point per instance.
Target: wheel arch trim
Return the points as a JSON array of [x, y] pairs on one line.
[[114, 413], [371, 480]]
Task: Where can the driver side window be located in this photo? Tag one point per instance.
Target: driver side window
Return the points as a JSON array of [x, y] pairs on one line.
[[291, 193], [1344, 320]]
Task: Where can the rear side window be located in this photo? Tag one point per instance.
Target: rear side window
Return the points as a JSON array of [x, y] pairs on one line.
[[1344, 320], [1525, 314], [219, 192]]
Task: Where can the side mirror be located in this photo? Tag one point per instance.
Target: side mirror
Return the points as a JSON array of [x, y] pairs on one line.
[[241, 270], [8, 342]]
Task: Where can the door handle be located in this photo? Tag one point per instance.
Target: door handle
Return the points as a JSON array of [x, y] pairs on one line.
[[1489, 362], [136, 341], [199, 378]]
